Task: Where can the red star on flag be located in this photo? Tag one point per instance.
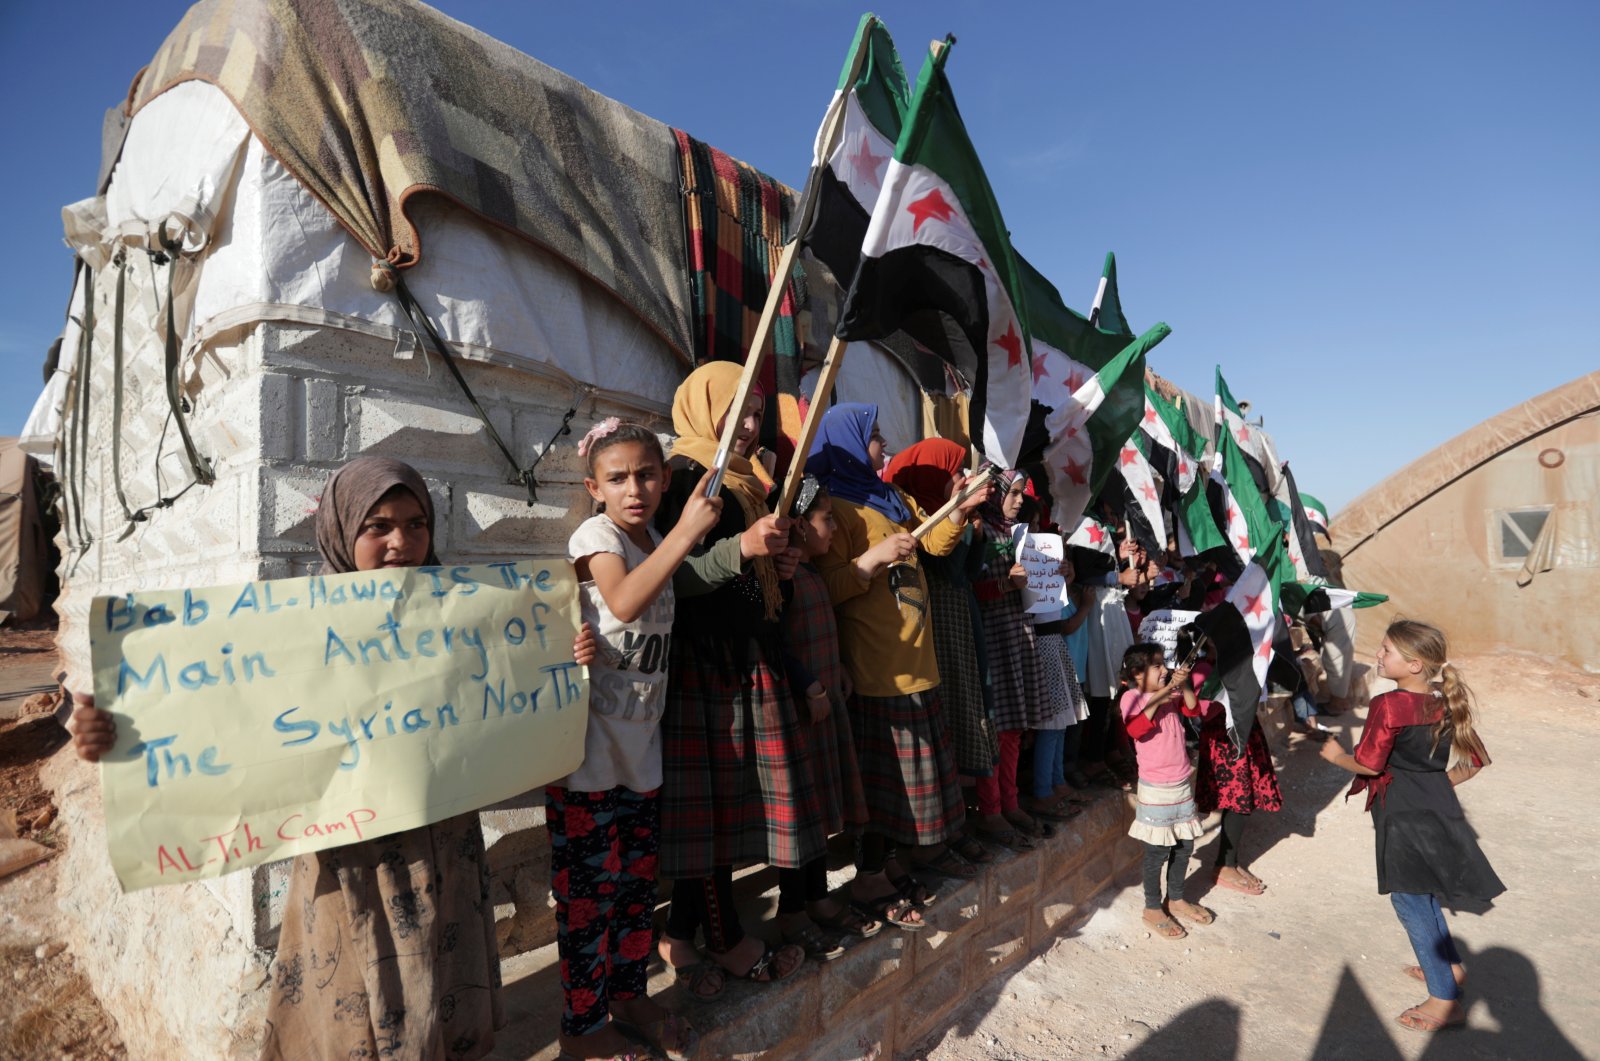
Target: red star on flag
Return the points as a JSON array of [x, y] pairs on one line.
[[1074, 381], [1072, 432], [1129, 455], [1253, 606], [931, 205], [1096, 535], [866, 164], [1149, 415], [1011, 343], [1039, 370], [1075, 471], [1244, 434], [1265, 651], [1242, 542], [1149, 491], [1233, 514], [1183, 468]]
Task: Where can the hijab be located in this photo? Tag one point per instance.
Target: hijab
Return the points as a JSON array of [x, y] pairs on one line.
[[992, 511], [839, 459], [700, 402], [350, 494], [924, 470]]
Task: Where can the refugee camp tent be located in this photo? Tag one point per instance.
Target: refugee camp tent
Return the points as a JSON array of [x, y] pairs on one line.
[[235, 331], [1495, 534], [25, 576]]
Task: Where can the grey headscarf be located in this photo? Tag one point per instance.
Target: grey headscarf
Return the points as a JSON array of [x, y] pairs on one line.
[[349, 496]]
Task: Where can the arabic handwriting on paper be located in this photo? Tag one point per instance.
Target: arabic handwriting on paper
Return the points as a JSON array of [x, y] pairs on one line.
[[1040, 556], [261, 721], [1162, 626]]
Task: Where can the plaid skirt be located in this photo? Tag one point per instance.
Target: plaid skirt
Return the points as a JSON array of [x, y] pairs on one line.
[[735, 783], [972, 735], [1015, 674], [830, 750], [907, 769]]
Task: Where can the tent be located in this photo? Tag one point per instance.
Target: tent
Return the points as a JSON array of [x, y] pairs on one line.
[[1495, 535], [26, 582], [235, 331]]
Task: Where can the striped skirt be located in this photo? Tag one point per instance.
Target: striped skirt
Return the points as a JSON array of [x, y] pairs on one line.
[[735, 783], [907, 769], [1166, 814], [972, 734]]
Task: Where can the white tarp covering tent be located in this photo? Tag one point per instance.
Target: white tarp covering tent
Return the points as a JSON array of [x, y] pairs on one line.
[[24, 543]]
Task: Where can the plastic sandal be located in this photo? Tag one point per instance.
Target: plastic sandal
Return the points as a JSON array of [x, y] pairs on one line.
[[764, 970], [1166, 928], [1193, 913], [891, 908], [818, 945], [1415, 1020], [849, 922], [911, 888], [970, 848], [703, 981]]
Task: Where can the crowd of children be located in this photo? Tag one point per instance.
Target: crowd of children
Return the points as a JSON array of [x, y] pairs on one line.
[[763, 681]]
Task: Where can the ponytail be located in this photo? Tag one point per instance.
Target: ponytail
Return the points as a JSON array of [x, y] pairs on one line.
[[1426, 644]]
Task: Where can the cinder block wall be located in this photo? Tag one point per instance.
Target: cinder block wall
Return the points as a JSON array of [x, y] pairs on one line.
[[276, 408]]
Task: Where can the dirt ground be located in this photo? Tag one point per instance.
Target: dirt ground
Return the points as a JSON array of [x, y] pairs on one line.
[[1311, 969], [47, 1008]]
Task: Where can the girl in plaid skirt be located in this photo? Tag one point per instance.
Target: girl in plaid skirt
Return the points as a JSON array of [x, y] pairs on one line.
[[736, 787], [902, 746]]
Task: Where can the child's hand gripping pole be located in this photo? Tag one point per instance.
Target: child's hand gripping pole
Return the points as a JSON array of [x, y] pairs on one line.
[[978, 483]]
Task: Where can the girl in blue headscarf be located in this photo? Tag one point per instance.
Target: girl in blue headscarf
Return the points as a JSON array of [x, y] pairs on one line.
[[907, 766]]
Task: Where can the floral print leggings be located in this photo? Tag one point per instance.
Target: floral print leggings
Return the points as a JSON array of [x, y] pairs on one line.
[[603, 875]]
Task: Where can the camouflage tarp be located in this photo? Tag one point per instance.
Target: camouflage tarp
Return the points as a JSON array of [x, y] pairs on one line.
[[371, 102]]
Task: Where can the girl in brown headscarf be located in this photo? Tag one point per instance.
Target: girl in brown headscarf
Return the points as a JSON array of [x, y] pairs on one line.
[[406, 918], [734, 786]]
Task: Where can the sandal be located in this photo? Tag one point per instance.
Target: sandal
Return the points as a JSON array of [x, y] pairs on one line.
[[1166, 928], [1193, 913], [970, 848], [1239, 885], [946, 864], [911, 888], [1415, 1020], [1007, 838], [672, 1035], [818, 945], [764, 970], [892, 908], [703, 981], [849, 922]]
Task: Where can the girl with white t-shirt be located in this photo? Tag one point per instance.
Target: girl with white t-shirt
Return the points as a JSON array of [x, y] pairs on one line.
[[603, 819]]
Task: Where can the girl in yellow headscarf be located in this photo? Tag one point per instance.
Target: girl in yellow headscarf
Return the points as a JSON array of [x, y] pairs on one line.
[[735, 787]]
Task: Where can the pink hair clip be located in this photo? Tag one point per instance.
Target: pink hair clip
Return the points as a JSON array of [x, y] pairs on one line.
[[596, 433]]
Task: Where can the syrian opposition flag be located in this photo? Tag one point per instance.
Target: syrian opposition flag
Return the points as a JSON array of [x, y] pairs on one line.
[[1243, 628], [1250, 528], [1304, 598], [1230, 420], [1107, 310], [1142, 492], [937, 264], [1177, 450], [853, 147], [1302, 544], [1316, 514], [1087, 387], [1088, 428]]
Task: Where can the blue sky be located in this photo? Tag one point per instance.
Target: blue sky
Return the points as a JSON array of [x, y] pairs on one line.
[[1381, 218]]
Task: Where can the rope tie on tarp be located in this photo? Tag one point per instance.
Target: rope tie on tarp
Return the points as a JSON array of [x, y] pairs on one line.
[[179, 405]]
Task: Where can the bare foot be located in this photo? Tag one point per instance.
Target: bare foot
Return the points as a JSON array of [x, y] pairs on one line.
[[1433, 1015], [1240, 881], [1415, 972], [678, 953]]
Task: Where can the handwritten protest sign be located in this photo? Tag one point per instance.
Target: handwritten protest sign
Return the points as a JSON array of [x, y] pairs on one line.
[[1041, 555], [264, 720], [1162, 626]]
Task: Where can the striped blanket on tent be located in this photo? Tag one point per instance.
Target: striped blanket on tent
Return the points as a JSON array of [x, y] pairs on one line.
[[736, 219]]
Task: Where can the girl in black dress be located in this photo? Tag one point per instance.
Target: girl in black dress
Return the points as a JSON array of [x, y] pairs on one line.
[[1419, 743]]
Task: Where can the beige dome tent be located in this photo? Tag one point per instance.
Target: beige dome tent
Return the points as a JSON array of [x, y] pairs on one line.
[[1493, 535]]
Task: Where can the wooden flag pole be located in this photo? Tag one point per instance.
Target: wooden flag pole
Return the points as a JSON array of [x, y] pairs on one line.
[[821, 398], [752, 364], [981, 482]]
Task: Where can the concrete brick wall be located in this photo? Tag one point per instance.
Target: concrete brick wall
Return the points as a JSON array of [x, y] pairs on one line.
[[276, 408]]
